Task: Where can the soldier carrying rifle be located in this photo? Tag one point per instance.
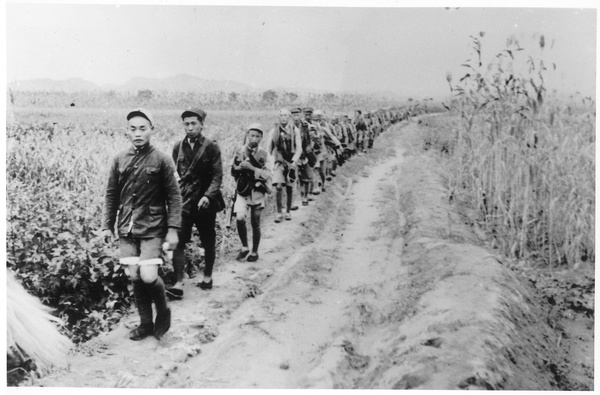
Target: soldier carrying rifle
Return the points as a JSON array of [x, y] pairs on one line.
[[200, 171]]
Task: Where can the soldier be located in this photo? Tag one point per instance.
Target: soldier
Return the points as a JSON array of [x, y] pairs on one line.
[[351, 135], [285, 146], [252, 175], [316, 144], [199, 166], [361, 131], [143, 190], [330, 144], [307, 157]]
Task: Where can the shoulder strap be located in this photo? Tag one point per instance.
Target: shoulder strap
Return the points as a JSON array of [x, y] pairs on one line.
[[198, 155], [251, 158]]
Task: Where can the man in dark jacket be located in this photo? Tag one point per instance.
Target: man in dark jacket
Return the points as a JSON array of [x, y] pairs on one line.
[[143, 201], [200, 171]]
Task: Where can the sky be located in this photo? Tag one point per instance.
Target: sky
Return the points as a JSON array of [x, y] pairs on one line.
[[374, 46]]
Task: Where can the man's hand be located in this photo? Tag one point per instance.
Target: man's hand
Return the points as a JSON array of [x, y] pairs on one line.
[[247, 165], [107, 236], [204, 202], [172, 238]]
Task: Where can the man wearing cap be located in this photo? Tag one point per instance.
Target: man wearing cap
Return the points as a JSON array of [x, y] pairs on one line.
[[307, 157], [361, 131], [200, 170], [285, 146], [143, 204], [351, 133], [252, 175], [329, 144]]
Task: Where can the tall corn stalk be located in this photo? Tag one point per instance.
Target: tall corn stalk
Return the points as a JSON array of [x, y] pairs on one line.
[[525, 157]]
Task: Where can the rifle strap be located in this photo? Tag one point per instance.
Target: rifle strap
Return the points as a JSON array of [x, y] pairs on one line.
[[196, 157], [251, 158]]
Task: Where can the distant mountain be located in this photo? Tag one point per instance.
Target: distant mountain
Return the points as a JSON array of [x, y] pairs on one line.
[[48, 85], [178, 83]]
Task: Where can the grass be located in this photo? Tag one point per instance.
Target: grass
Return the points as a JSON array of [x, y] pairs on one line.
[[523, 158]]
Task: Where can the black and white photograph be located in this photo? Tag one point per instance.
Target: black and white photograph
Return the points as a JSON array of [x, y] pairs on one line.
[[285, 195]]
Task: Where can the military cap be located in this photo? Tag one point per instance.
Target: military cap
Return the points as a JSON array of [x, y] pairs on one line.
[[308, 110], [194, 112], [318, 113], [296, 110], [255, 126], [284, 111], [140, 112]]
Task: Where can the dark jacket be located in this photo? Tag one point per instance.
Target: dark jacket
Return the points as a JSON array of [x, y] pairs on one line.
[[143, 191], [204, 177]]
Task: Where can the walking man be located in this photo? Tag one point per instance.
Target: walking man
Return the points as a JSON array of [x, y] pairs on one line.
[[200, 170], [249, 168], [143, 191], [285, 146]]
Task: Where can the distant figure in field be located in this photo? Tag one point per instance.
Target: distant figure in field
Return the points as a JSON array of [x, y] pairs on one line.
[[285, 146], [143, 189], [252, 174], [200, 171]]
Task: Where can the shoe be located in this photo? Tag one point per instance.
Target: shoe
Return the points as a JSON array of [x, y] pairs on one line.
[[287, 216], [323, 189], [328, 178], [311, 199], [253, 257], [305, 202], [241, 255], [174, 293], [294, 208], [141, 332], [163, 323], [278, 218], [204, 285]]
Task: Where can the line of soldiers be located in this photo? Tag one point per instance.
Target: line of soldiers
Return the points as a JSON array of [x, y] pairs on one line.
[[325, 143], [304, 148], [153, 200]]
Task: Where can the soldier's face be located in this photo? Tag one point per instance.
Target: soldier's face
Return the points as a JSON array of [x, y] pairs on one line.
[[193, 127], [308, 116], [297, 117], [284, 119], [254, 138], [139, 130]]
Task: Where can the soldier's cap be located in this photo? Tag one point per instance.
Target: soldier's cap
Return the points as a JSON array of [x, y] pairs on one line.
[[194, 112], [140, 112], [308, 110], [296, 110], [318, 113], [284, 111], [255, 126]]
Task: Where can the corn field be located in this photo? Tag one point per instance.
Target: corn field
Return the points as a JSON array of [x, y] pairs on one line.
[[523, 157]]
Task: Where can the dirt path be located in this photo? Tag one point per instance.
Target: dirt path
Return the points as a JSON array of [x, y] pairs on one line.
[[377, 284]]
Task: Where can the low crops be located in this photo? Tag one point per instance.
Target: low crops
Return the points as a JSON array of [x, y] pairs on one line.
[[56, 175]]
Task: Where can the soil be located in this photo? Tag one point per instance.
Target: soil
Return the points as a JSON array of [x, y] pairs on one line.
[[381, 282]]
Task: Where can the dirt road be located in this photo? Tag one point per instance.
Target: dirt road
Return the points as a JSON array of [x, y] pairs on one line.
[[377, 284]]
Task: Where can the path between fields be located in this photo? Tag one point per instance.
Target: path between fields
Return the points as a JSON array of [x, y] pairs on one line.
[[377, 284], [279, 323]]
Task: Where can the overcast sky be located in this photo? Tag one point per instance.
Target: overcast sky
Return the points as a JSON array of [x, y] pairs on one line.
[[405, 50]]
